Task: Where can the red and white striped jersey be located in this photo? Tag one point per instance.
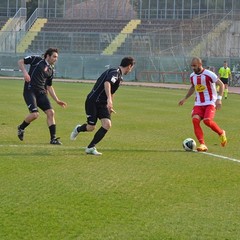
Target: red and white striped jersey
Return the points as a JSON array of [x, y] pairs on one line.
[[205, 87]]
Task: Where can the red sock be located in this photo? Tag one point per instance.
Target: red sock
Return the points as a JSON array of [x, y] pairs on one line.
[[198, 130], [210, 123]]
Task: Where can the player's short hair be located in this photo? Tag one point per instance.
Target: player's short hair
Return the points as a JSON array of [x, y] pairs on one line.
[[126, 61], [50, 52], [197, 59]]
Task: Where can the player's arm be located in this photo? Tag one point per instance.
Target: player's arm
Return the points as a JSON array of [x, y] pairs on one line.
[[24, 71], [189, 94], [221, 87], [107, 87], [220, 93], [52, 93], [219, 72]]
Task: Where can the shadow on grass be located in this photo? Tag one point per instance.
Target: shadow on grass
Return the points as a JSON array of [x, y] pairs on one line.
[[49, 150], [143, 150]]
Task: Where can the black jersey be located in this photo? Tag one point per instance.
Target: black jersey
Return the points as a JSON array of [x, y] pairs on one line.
[[40, 72], [114, 77]]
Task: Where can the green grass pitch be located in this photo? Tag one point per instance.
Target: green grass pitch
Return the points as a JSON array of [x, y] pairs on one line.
[[143, 187]]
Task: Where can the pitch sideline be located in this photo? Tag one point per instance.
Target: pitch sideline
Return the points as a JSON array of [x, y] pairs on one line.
[[69, 147], [219, 156]]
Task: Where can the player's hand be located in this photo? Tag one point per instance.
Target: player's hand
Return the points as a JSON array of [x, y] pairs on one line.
[[218, 104], [61, 103], [27, 77], [110, 105], [181, 102], [112, 111]]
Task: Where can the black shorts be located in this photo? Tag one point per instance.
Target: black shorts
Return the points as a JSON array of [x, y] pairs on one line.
[[224, 80], [95, 111], [35, 99]]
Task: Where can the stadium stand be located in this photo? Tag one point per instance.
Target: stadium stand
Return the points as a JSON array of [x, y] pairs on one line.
[[3, 21], [106, 36], [158, 35], [84, 25], [30, 35], [77, 35], [121, 37], [211, 37]]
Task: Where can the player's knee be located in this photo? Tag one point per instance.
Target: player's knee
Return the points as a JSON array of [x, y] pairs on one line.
[[50, 113], [195, 120], [207, 122], [107, 125], [35, 115], [90, 128]]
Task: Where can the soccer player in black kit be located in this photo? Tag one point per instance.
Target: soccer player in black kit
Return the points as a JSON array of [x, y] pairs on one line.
[[99, 103], [38, 83]]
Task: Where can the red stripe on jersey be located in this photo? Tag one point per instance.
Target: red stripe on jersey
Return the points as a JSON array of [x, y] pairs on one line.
[[208, 83], [201, 94], [191, 80]]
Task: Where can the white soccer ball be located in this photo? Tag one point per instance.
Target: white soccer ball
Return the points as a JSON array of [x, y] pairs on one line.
[[189, 144]]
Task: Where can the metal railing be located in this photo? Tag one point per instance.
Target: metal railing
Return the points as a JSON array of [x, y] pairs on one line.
[[38, 13], [8, 36]]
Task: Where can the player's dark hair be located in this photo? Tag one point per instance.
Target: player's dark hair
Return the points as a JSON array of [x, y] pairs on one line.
[[50, 52], [127, 61]]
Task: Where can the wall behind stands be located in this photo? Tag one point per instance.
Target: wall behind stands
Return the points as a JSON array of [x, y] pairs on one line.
[[128, 9]]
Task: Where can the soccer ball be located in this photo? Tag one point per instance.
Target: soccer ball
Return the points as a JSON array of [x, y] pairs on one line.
[[189, 144]]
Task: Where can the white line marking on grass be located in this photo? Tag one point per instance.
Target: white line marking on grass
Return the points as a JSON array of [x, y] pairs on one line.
[[79, 148], [220, 156]]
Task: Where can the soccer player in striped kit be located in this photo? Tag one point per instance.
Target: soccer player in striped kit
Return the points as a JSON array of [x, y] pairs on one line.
[[203, 83]]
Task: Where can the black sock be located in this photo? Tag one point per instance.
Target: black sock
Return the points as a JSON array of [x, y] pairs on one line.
[[52, 130], [82, 128], [24, 125], [98, 137]]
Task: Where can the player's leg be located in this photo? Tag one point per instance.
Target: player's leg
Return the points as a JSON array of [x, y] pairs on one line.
[[197, 114], [225, 91], [50, 113], [208, 121], [105, 117], [225, 81], [31, 103], [99, 135], [91, 113], [44, 103]]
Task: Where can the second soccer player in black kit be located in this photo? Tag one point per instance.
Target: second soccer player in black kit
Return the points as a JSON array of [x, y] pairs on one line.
[[99, 103], [38, 83]]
